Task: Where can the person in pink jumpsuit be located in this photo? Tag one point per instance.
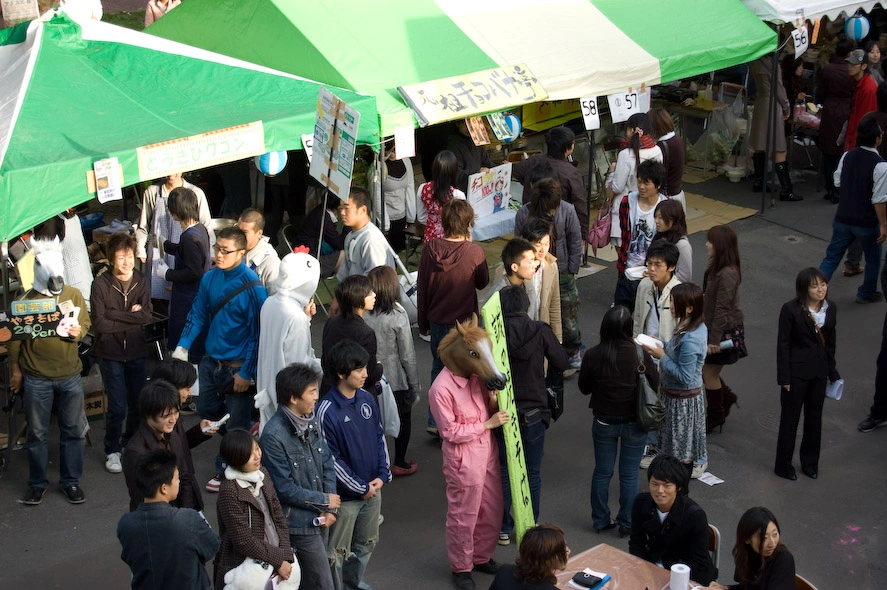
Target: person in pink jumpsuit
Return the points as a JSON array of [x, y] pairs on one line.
[[466, 412]]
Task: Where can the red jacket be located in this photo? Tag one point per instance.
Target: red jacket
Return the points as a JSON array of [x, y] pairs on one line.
[[864, 101]]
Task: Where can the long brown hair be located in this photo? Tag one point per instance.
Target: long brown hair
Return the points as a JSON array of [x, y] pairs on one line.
[[384, 282], [725, 250], [687, 295], [543, 550]]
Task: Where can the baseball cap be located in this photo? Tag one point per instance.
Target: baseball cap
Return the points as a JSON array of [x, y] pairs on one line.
[[856, 57]]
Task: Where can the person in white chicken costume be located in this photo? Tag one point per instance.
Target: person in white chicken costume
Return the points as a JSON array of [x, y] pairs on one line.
[[285, 337]]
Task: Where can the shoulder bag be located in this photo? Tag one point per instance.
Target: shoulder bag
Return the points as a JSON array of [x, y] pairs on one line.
[[651, 410]]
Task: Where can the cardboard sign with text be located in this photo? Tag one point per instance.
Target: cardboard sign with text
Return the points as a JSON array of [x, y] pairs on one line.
[[31, 318], [521, 502], [335, 140]]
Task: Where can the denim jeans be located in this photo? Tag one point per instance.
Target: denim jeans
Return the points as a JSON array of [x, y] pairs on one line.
[[438, 331], [353, 538], [533, 437], [67, 395], [123, 382], [213, 378], [311, 554], [607, 438], [842, 236]]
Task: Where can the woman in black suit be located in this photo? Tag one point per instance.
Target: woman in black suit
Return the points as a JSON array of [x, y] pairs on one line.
[[805, 358]]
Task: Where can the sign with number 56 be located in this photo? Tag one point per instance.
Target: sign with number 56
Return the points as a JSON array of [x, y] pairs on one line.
[[801, 40], [590, 113], [625, 104]]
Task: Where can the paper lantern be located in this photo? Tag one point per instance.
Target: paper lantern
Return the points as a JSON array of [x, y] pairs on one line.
[[514, 127], [857, 27], [272, 163]]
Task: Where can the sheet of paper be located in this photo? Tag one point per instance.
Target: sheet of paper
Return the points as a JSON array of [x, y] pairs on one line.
[[478, 130], [404, 143], [710, 480], [590, 113]]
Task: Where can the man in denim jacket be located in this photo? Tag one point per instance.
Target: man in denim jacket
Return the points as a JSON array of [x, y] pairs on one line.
[[302, 469]]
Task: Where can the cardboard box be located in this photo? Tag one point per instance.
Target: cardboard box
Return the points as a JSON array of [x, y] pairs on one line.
[[95, 404]]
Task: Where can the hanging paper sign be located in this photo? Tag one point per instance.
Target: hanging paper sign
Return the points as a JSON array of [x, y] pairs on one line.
[[404, 143], [801, 40], [477, 130], [107, 180], [590, 114], [16, 11], [200, 151], [521, 502], [489, 192], [625, 104], [499, 126], [308, 145], [472, 94], [31, 318], [335, 140]]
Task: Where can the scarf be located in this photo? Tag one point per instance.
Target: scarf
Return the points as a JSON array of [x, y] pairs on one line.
[[250, 481], [300, 423], [647, 142]]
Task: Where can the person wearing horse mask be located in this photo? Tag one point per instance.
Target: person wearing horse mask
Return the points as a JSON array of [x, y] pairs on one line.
[[48, 369], [464, 405]]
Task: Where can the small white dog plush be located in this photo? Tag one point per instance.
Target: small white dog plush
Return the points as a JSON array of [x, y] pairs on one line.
[[254, 574]]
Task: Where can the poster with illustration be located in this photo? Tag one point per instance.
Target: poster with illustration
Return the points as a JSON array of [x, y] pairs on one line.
[[489, 192]]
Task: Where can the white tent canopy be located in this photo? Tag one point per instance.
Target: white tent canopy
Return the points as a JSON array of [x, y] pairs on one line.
[[788, 11]]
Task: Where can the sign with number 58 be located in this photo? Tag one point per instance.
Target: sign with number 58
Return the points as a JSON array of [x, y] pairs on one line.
[[625, 104], [590, 113], [801, 40]]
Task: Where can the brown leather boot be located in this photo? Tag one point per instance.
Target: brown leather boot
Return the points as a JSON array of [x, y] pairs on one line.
[[728, 398]]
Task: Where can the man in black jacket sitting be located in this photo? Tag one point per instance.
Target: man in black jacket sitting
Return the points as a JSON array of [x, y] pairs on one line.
[[667, 527]]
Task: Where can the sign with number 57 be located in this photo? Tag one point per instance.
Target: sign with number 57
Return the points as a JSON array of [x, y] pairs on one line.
[[590, 113], [801, 40], [625, 104]]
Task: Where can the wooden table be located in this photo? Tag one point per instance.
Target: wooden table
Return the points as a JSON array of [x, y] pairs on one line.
[[627, 571]]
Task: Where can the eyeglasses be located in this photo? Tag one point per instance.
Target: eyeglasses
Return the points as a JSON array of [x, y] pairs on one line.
[[655, 265], [219, 250]]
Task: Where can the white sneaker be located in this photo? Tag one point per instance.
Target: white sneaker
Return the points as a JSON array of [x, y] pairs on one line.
[[381, 519], [698, 470], [648, 458], [112, 465], [213, 485]]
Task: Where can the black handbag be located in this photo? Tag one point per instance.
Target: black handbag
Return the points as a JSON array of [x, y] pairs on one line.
[[651, 410]]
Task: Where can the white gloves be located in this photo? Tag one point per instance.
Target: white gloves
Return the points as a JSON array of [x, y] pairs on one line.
[[180, 353], [160, 268]]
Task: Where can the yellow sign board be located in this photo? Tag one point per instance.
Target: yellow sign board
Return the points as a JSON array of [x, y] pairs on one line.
[[472, 94], [199, 151], [521, 502]]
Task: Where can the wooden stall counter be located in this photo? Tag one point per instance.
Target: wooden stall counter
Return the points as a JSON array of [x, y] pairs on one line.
[[627, 572]]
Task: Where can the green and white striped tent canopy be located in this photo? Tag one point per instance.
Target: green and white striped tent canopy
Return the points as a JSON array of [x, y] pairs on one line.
[[74, 93], [576, 48]]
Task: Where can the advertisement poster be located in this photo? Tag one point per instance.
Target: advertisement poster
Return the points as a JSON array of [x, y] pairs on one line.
[[489, 192]]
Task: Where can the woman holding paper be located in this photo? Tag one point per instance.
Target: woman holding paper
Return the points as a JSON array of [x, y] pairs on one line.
[[682, 432], [805, 358], [762, 561], [543, 552]]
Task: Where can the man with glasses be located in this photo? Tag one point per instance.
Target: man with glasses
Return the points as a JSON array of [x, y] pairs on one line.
[[227, 306], [862, 209]]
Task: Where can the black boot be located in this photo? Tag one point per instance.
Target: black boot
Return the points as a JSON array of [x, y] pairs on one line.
[[785, 184], [760, 166]]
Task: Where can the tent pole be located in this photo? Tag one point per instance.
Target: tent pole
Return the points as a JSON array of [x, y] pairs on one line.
[[7, 373], [591, 167], [770, 139], [380, 161]]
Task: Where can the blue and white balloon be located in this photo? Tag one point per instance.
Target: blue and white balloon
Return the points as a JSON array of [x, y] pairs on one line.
[[514, 126], [272, 163], [857, 27]]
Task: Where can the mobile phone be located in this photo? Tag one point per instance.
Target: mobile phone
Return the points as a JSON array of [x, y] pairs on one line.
[[216, 424]]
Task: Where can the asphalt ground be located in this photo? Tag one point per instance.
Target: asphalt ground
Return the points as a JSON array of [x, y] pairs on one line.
[[835, 526]]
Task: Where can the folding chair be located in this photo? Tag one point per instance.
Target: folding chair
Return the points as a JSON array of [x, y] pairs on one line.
[[801, 583], [714, 544]]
